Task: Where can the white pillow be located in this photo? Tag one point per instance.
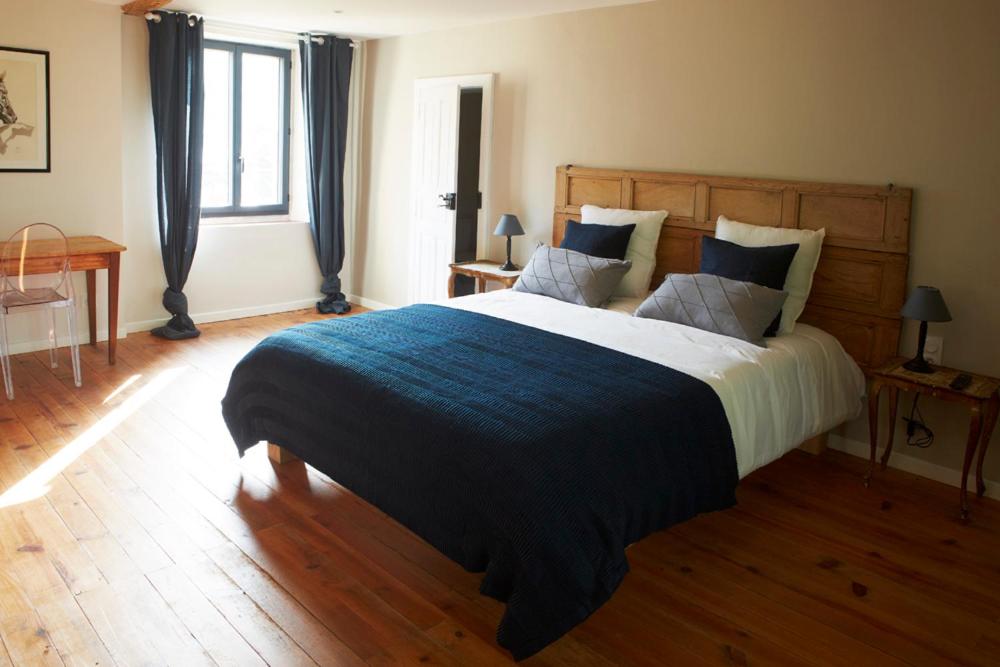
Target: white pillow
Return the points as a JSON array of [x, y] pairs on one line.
[[641, 245], [799, 280]]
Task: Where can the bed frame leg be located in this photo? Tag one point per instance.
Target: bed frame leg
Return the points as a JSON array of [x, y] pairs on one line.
[[280, 454], [815, 445]]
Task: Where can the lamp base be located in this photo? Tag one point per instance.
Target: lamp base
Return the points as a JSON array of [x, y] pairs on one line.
[[918, 365], [508, 266]]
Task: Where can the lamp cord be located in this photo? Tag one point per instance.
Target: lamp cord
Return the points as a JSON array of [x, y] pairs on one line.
[[918, 434]]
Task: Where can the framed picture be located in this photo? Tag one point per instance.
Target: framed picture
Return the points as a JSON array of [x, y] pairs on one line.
[[24, 110]]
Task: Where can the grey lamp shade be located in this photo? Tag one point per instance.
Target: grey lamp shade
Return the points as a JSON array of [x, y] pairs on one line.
[[926, 304], [508, 226]]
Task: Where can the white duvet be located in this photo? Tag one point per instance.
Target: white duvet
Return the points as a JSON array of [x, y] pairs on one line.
[[799, 386]]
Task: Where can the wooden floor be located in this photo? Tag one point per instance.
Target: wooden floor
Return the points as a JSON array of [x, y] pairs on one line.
[[131, 534]]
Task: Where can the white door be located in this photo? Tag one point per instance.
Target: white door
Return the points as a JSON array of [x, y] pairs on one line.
[[435, 170]]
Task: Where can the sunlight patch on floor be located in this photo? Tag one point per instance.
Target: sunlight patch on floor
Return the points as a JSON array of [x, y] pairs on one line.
[[122, 387], [35, 484]]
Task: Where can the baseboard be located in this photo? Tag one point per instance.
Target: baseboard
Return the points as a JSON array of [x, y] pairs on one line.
[[911, 464], [253, 311], [199, 318], [369, 303], [37, 345], [231, 314]]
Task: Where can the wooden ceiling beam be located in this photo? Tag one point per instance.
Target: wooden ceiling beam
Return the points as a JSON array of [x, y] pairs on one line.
[[140, 7]]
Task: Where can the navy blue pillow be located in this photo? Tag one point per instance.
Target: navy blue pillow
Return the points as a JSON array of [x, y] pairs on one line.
[[767, 265], [607, 241]]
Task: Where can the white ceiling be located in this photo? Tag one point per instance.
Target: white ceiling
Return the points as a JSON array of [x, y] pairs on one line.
[[376, 18]]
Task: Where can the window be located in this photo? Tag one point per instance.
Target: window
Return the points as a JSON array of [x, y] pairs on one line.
[[245, 156]]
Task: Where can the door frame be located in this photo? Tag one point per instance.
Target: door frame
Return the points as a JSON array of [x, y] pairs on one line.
[[485, 82]]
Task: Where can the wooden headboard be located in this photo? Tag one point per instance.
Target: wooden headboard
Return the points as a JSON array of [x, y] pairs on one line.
[[860, 283]]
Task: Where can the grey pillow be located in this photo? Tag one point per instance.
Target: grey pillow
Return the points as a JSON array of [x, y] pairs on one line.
[[729, 307], [571, 276]]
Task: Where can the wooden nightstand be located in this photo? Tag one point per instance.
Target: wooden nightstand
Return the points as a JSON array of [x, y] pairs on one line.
[[482, 270], [981, 396]]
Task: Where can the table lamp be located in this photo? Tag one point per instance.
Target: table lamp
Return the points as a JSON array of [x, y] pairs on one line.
[[927, 305], [508, 226]]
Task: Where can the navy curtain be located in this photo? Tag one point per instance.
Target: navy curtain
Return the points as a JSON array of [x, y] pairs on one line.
[[176, 76], [326, 78]]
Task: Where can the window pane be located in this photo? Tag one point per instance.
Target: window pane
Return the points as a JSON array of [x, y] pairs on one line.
[[263, 122], [217, 154]]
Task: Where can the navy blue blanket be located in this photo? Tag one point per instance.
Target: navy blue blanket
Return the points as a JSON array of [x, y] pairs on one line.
[[531, 456]]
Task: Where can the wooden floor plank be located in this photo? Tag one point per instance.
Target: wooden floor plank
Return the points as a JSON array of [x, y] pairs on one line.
[[60, 617], [756, 613], [301, 626], [157, 544], [50, 426], [265, 635], [212, 631], [5, 660], [328, 595], [138, 626], [844, 602], [43, 560], [21, 629], [838, 569]]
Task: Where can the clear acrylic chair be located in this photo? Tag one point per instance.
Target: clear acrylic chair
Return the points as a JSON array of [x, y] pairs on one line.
[[29, 246]]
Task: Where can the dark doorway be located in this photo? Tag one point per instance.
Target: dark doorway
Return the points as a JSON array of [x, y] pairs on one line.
[[469, 199]]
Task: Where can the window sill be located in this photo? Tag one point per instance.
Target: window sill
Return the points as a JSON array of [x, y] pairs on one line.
[[251, 221]]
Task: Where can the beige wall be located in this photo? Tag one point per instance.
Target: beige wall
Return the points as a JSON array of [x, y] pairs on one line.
[[83, 193], [860, 91]]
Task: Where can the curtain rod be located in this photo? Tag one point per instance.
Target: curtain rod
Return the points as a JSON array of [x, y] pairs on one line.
[[155, 18], [319, 39]]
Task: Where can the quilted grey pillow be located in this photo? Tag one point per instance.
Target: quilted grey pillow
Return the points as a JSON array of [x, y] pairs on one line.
[[571, 276], [729, 307]]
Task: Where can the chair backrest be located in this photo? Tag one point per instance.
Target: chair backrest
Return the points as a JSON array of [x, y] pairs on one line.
[[38, 246]]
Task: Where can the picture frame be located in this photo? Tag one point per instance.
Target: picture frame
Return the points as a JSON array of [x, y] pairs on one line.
[[25, 135]]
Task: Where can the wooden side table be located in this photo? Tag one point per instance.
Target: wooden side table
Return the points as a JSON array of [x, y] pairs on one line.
[[482, 270], [981, 396]]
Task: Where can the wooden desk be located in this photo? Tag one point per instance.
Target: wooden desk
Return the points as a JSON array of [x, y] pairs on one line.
[[86, 253], [981, 396]]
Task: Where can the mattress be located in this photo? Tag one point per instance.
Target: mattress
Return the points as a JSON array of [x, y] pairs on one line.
[[775, 397]]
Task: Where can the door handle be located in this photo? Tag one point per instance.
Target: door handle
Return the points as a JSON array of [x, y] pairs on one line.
[[449, 201]]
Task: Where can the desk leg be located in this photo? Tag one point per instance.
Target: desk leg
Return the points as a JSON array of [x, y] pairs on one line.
[[114, 264], [992, 409], [481, 285], [451, 286], [975, 428], [873, 392], [893, 403], [92, 305]]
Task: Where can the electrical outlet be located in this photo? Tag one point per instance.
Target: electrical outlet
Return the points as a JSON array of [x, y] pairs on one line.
[[934, 349]]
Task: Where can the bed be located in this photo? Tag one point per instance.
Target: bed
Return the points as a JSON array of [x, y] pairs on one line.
[[534, 440]]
